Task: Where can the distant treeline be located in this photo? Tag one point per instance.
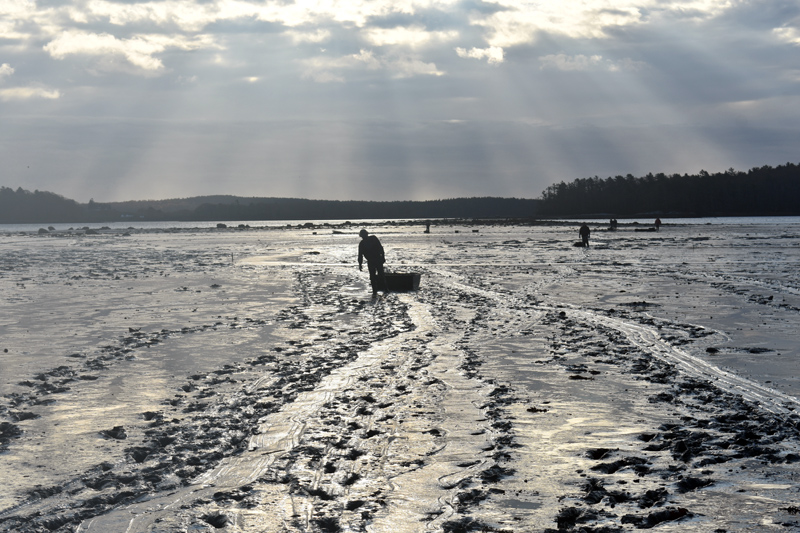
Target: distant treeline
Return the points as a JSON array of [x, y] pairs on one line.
[[21, 206], [758, 192]]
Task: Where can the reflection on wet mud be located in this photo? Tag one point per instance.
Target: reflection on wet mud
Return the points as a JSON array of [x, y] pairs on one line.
[[153, 384]]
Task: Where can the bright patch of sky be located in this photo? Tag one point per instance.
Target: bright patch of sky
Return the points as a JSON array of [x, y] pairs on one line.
[[385, 100]]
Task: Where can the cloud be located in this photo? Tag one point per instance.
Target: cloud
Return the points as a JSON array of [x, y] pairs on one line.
[[506, 24], [27, 93], [407, 67], [23, 93], [186, 15], [788, 35], [6, 70], [413, 36], [138, 50], [324, 69], [317, 36], [584, 63], [19, 18], [493, 54], [189, 15], [521, 22]]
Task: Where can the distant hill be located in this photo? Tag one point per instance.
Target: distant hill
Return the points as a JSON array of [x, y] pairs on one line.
[[178, 205], [21, 206], [757, 192]]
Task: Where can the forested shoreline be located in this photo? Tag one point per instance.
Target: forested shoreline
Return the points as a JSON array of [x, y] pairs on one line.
[[758, 192], [762, 191]]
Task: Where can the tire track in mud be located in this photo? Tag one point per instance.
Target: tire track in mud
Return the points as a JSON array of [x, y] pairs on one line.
[[650, 341], [721, 419], [392, 441], [466, 314], [366, 426], [316, 464], [176, 451], [383, 421], [467, 466]]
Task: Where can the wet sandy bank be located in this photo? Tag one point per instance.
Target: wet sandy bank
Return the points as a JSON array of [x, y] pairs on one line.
[[649, 380]]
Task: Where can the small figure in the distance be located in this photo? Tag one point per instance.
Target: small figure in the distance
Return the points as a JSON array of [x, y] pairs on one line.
[[612, 225], [371, 248], [658, 224], [427, 226], [584, 233]]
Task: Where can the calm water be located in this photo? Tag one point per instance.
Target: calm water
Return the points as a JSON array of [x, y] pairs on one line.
[[129, 224]]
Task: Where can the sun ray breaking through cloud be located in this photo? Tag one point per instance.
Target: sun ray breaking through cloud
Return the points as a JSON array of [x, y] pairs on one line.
[[384, 100]]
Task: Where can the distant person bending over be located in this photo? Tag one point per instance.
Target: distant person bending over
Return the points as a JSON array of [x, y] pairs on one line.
[[371, 249], [584, 233]]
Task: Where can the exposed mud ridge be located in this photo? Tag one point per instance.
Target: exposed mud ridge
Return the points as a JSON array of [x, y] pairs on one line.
[[198, 427], [674, 333], [709, 427], [8, 431]]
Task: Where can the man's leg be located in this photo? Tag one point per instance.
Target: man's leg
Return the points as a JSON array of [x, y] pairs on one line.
[[373, 274], [380, 280]]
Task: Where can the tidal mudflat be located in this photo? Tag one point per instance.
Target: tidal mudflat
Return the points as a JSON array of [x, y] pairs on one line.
[[246, 380]]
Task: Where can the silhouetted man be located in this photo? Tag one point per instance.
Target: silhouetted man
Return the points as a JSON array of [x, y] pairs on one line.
[[584, 233], [371, 249]]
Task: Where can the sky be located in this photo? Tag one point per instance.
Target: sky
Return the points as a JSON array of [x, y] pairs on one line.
[[118, 100]]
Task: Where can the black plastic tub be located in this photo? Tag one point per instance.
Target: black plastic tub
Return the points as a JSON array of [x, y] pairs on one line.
[[402, 281]]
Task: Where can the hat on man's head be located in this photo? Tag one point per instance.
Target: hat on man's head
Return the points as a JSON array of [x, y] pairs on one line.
[[363, 233]]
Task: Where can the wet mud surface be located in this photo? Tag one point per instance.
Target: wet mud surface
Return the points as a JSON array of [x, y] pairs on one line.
[[246, 381]]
